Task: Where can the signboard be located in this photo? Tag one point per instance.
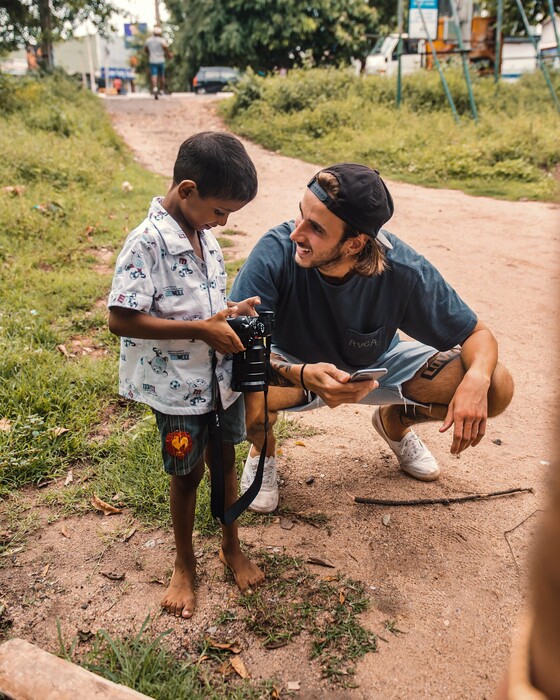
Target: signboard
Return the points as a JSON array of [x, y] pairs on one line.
[[422, 9], [135, 35]]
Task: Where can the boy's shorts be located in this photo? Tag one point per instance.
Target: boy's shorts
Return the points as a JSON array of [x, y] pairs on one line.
[[184, 438], [402, 361]]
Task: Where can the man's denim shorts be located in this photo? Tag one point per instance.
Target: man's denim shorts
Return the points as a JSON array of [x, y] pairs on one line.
[[403, 359], [184, 438]]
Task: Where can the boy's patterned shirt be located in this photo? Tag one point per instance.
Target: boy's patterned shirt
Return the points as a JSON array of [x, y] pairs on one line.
[[158, 273]]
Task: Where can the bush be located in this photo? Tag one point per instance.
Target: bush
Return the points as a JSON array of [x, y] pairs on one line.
[[329, 115]]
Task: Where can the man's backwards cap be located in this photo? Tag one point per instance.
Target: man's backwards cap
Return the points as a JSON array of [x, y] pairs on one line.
[[363, 200]]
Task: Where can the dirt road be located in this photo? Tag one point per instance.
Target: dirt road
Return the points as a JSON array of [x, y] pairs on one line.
[[451, 578], [446, 574]]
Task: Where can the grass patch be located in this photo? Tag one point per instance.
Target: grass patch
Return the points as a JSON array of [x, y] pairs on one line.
[[294, 600], [142, 663], [327, 115]]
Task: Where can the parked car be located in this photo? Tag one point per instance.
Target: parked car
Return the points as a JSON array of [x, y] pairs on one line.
[[214, 79]]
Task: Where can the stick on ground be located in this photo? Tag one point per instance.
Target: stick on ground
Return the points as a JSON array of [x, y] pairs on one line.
[[442, 501]]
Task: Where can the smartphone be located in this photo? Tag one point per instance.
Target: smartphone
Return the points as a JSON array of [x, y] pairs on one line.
[[364, 375]]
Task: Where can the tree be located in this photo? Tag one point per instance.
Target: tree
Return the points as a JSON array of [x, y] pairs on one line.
[[536, 11], [268, 34], [46, 21]]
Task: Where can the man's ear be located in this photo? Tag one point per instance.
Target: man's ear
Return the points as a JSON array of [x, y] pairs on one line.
[[185, 188], [356, 244]]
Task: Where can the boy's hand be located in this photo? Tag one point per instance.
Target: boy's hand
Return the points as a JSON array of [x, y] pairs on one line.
[[217, 332], [245, 307]]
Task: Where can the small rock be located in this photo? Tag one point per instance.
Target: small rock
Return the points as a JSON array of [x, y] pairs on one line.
[[286, 523], [212, 630], [310, 480], [497, 441], [446, 623], [293, 685], [386, 519]]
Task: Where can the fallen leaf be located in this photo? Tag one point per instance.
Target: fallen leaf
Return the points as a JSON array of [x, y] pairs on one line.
[[64, 533], [59, 431], [341, 597], [129, 534], [275, 694], [320, 562], [239, 666], [62, 349], [159, 581], [286, 523], [300, 443], [227, 646], [69, 478], [113, 576], [45, 570], [89, 231], [293, 685], [386, 519], [225, 668], [5, 425], [126, 186], [105, 507]]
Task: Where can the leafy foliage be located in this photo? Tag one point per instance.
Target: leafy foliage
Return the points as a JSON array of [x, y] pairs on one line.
[[46, 21], [535, 10], [269, 34], [328, 115]]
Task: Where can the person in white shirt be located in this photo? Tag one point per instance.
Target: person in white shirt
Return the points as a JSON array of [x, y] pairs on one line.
[[158, 51]]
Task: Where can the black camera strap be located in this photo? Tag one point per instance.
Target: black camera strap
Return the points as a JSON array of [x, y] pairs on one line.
[[218, 482], [217, 492]]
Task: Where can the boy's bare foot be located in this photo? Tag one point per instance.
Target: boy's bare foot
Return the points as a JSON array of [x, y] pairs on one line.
[[247, 574], [180, 598]]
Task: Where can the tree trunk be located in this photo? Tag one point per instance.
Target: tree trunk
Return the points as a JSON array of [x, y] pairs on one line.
[[45, 19]]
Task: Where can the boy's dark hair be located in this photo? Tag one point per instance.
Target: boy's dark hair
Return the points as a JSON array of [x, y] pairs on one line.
[[219, 164]]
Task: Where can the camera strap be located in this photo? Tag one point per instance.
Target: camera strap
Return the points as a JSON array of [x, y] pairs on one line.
[[217, 491]]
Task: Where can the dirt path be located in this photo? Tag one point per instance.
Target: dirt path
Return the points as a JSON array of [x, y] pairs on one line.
[[449, 577]]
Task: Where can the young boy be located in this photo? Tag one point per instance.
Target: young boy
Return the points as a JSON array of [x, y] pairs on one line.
[[168, 304]]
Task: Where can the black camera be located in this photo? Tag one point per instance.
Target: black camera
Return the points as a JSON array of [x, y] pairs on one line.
[[250, 367]]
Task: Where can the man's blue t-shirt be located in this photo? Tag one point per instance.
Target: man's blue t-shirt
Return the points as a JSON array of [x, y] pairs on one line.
[[351, 324]]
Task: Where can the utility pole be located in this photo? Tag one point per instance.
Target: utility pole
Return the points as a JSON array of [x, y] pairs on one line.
[[158, 18], [498, 57], [400, 21]]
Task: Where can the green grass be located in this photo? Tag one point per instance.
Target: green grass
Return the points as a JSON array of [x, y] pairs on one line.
[[142, 663], [326, 116], [293, 599]]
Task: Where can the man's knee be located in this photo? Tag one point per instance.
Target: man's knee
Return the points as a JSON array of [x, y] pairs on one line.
[[500, 392]]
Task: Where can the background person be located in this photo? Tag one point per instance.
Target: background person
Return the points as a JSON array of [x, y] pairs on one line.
[[168, 304], [340, 288], [157, 50]]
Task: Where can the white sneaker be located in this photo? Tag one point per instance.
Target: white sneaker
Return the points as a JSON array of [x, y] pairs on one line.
[[413, 456], [266, 499]]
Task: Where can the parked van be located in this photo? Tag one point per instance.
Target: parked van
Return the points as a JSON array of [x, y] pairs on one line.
[[383, 58]]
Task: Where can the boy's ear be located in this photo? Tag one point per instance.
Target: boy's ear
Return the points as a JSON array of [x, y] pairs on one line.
[[185, 188]]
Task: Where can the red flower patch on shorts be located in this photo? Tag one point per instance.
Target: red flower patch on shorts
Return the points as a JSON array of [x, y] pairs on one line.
[[178, 443]]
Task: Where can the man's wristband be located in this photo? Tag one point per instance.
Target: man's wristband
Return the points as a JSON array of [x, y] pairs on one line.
[[301, 378]]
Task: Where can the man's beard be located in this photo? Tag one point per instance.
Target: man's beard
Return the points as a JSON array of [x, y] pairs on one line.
[[328, 260]]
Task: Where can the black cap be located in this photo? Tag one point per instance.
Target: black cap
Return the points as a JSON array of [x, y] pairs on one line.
[[363, 200]]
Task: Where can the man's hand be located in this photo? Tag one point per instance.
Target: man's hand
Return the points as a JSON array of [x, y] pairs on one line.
[[468, 412], [245, 307], [219, 335], [332, 384]]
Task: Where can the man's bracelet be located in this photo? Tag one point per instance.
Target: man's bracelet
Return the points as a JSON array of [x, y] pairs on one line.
[[301, 378]]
